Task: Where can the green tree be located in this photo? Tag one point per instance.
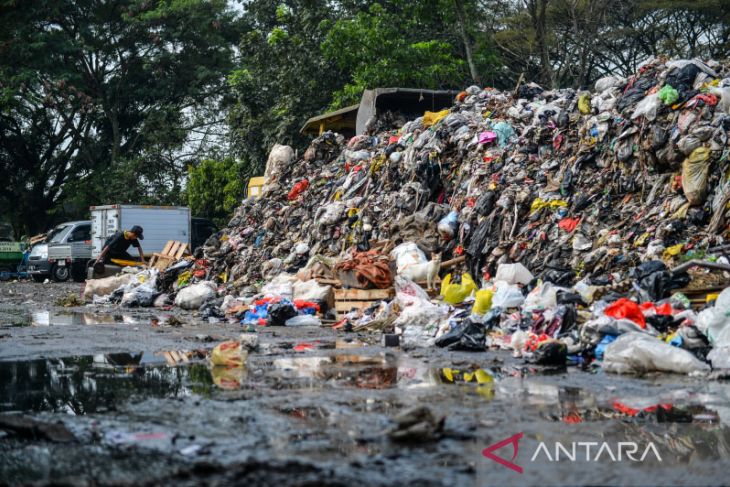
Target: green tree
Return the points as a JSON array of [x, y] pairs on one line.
[[281, 78], [216, 188], [98, 98], [424, 44]]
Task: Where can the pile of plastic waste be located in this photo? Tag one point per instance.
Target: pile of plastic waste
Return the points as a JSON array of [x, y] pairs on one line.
[[554, 221]]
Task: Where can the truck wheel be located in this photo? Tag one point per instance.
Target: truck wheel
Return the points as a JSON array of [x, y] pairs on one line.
[[38, 278], [60, 274]]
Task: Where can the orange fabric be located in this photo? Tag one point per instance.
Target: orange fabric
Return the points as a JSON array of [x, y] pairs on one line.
[[370, 268]]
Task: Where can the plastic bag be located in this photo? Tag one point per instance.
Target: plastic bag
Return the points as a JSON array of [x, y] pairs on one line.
[[281, 285], [298, 189], [648, 107], [143, 295], [507, 296], [407, 254], [408, 293], [712, 321], [469, 336], [448, 225], [513, 274], [231, 354], [304, 320], [608, 82], [483, 301], [695, 170], [625, 308], [504, 132], [543, 296], [193, 296], [487, 137], [668, 95], [584, 103], [431, 118], [457, 293], [639, 352], [280, 312], [311, 291]]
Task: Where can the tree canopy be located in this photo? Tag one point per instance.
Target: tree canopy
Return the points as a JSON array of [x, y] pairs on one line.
[[112, 101]]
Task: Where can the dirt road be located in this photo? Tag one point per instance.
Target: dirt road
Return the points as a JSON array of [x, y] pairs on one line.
[[119, 396]]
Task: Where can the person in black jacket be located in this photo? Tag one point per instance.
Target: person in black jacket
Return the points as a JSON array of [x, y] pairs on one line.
[[116, 246]]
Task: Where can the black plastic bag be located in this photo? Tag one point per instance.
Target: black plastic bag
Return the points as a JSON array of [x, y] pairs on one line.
[[468, 336], [550, 353], [280, 312]]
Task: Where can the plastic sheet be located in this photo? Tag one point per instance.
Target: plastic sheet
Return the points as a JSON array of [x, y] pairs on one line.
[[639, 353]]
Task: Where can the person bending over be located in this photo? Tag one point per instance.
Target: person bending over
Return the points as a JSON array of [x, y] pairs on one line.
[[116, 246]]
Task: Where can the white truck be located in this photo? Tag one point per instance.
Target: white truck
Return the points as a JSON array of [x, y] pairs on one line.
[[160, 224]]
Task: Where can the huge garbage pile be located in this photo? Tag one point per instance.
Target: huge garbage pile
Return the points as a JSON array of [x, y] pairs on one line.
[[552, 219]]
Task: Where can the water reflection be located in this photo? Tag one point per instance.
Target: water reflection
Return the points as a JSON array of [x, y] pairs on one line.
[[89, 384], [61, 318]]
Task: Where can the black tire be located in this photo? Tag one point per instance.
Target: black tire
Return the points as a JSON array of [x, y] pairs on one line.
[[60, 274], [38, 278]]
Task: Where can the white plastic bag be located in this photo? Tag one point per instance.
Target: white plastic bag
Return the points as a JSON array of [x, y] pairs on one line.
[[639, 352], [647, 107], [607, 82], [303, 320], [142, 295], [408, 292], [712, 322], [311, 291], [281, 285], [193, 296], [513, 274], [720, 357], [543, 296], [507, 296], [407, 254], [104, 286]]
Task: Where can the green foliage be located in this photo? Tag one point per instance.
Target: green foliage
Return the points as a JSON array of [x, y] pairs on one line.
[[98, 99], [281, 78], [381, 49], [216, 188]]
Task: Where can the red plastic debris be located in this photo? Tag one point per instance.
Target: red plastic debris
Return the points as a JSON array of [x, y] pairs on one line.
[[298, 189], [625, 308]]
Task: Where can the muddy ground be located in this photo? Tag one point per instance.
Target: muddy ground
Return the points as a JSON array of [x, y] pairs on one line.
[[103, 395]]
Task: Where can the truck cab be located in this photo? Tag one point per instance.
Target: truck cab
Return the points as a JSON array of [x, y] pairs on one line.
[[41, 266]]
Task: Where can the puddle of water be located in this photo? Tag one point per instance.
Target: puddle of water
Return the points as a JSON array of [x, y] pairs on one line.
[[61, 318], [90, 384], [13, 319]]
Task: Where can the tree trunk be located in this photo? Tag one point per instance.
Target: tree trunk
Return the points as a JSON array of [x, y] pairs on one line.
[[538, 14], [467, 43]]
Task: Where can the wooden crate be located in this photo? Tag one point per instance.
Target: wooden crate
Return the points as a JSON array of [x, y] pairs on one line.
[[349, 299], [172, 252]]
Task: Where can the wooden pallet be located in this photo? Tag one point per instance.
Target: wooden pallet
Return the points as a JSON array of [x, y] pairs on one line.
[[348, 299], [172, 252]]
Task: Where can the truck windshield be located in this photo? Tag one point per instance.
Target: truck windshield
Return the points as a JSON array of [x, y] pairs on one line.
[[58, 233]]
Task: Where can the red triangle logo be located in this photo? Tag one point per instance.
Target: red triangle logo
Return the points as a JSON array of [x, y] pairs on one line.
[[514, 440]]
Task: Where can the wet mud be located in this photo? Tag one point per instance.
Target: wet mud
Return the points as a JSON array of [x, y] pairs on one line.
[[128, 397]]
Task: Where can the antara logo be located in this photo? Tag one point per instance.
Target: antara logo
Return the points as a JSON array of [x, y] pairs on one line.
[[589, 451]]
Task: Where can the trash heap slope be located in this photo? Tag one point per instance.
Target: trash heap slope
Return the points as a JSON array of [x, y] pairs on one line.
[[563, 181]]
